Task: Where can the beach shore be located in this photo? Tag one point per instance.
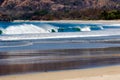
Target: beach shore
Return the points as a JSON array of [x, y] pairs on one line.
[[103, 73], [59, 70], [75, 21]]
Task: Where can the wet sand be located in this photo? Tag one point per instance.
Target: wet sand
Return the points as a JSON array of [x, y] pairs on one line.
[[61, 64], [75, 21], [65, 64], [56, 60], [105, 73]]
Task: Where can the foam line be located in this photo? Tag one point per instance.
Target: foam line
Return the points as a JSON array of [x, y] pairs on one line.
[[44, 28], [62, 35]]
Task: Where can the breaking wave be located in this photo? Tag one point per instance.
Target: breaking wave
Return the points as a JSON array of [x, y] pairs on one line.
[[44, 28], [25, 31]]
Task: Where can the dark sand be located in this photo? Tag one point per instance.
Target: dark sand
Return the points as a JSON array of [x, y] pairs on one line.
[[55, 60]]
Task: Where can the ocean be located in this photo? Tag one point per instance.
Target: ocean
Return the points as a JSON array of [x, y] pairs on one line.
[[55, 35], [48, 46]]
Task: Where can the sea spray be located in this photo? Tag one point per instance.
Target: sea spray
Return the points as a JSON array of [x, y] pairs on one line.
[[24, 29], [37, 28], [41, 30]]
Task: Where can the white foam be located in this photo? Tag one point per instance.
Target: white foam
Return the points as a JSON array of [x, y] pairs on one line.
[[49, 28], [113, 25], [43, 28], [101, 27], [30, 31], [62, 35], [24, 29], [87, 28]]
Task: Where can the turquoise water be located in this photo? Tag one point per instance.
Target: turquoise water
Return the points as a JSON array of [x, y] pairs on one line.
[[34, 27], [43, 30], [55, 35], [12, 28], [48, 46]]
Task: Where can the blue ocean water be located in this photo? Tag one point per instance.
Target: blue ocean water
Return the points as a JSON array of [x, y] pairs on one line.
[[39, 27], [14, 28], [57, 35]]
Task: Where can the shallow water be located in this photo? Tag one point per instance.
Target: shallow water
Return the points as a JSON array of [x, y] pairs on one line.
[[50, 60], [42, 30], [37, 47]]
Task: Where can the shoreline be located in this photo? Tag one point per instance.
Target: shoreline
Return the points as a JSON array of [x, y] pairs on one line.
[[103, 73], [71, 21], [43, 61]]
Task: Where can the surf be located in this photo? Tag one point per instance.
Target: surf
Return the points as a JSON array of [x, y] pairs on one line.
[[43, 28], [33, 30]]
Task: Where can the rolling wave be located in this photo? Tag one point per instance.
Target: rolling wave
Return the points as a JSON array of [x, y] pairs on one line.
[[114, 32], [45, 31], [44, 28], [24, 29]]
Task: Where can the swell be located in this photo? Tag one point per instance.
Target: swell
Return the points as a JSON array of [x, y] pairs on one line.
[[45, 28], [25, 31]]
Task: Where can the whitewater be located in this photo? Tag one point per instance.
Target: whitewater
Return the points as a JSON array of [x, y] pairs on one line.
[[39, 30], [57, 35], [47, 46]]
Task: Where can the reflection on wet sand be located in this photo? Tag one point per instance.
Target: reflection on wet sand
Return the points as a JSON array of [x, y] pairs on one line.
[[50, 60]]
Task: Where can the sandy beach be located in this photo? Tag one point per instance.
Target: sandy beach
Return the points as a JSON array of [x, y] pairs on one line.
[[74, 21], [103, 73]]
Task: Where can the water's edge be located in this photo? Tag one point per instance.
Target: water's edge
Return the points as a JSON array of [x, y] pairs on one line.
[[54, 60]]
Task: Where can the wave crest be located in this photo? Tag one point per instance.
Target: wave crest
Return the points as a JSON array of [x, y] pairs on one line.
[[45, 28], [24, 29]]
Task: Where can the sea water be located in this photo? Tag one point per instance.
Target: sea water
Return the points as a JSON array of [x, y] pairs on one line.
[[55, 35], [48, 46]]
